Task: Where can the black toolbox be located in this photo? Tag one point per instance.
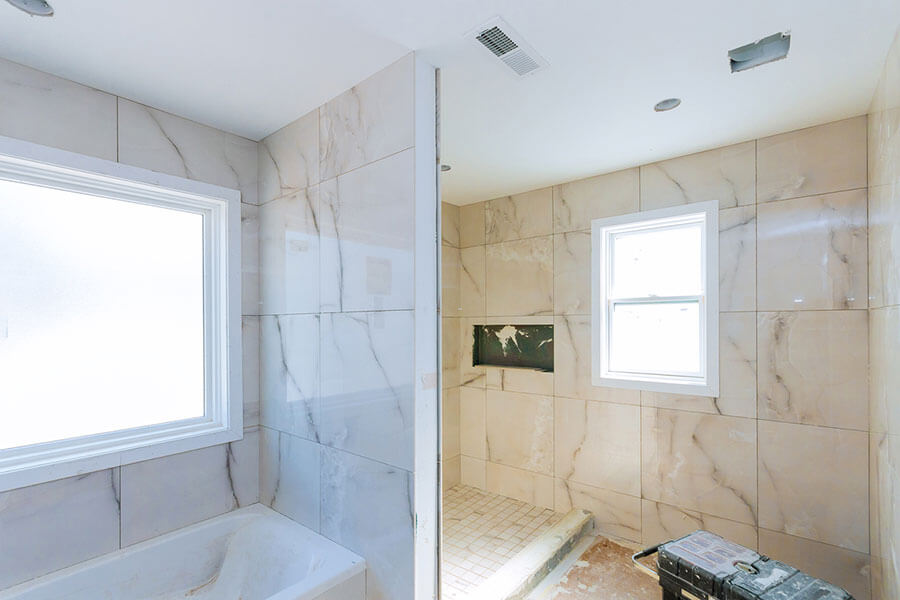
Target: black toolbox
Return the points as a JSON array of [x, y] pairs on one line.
[[704, 566]]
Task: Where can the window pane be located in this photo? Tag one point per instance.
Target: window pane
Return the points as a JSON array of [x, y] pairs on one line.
[[662, 262], [101, 315], [655, 338]]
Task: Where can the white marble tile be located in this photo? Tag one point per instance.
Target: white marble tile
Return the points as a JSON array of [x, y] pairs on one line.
[[249, 259], [519, 430], [813, 367], [449, 225], [519, 277], [44, 109], [705, 463], [289, 374], [366, 237], [54, 525], [450, 415], [662, 522], [884, 376], [472, 282], [737, 259], [519, 380], [816, 160], [471, 225], [527, 486], [289, 159], [727, 175], [165, 494], [450, 349], [884, 244], [250, 369], [798, 491], [367, 507], [368, 122], [289, 476], [472, 472], [159, 141], [615, 515], [597, 444], [472, 423], [519, 216], [572, 273], [367, 385], [812, 253], [450, 271], [577, 203]]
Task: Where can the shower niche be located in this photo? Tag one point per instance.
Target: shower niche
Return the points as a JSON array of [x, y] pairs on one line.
[[522, 346]]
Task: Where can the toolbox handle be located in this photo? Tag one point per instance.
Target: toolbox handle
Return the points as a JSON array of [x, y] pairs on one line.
[[635, 558]]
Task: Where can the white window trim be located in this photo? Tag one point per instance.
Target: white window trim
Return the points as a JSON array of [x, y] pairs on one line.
[[709, 303], [223, 421]]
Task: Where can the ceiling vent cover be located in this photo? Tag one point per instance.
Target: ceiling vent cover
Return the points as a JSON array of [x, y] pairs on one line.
[[497, 36], [768, 49]]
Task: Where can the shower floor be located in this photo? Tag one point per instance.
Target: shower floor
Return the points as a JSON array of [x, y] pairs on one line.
[[482, 531]]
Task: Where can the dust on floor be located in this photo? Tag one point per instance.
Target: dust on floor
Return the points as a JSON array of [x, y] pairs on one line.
[[605, 572]]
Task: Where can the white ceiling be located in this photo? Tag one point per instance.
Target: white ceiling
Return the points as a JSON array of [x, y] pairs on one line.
[[252, 67]]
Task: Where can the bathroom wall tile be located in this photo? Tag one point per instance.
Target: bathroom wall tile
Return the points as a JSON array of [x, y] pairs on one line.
[[520, 430], [884, 461], [615, 515], [572, 273], [700, 462], [577, 203], [367, 385], [725, 174], [249, 259], [289, 476], [526, 486], [250, 369], [520, 277], [519, 216], [469, 374], [844, 568], [472, 472], [884, 244], [368, 122], [519, 380], [84, 119], [159, 141], [798, 491], [165, 494], [450, 306], [450, 416], [367, 507], [662, 522], [812, 253], [366, 237], [289, 366], [450, 473], [472, 423], [449, 225], [289, 159], [471, 225], [472, 282], [812, 368], [289, 253], [816, 160], [54, 525], [596, 444], [884, 376], [737, 259], [450, 357]]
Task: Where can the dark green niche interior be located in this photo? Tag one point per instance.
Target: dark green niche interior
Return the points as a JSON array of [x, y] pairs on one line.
[[525, 346]]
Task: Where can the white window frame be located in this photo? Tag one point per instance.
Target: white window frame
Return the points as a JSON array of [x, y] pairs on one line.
[[602, 230], [222, 422]]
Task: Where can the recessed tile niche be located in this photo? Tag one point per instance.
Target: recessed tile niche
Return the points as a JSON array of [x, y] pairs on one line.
[[525, 346]]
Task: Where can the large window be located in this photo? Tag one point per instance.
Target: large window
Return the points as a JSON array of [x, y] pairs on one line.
[[119, 314], [655, 304]]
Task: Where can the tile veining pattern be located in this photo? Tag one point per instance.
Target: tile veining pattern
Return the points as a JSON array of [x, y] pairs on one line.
[[482, 531], [778, 461]]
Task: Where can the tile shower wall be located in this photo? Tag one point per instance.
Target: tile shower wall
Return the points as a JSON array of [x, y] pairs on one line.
[[884, 328], [779, 461], [54, 525], [450, 299]]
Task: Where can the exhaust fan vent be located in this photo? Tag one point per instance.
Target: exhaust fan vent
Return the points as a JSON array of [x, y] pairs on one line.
[[769, 49], [504, 43]]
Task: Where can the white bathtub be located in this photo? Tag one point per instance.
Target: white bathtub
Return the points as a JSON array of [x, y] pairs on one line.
[[250, 554]]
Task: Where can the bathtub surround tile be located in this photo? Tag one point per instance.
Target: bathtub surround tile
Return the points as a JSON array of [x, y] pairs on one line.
[[249, 259], [449, 225], [472, 423], [615, 515], [289, 159], [798, 491], [471, 225], [725, 174], [816, 160], [250, 369], [289, 476], [450, 415], [820, 264], [472, 472], [519, 430], [534, 488], [572, 273], [519, 277], [577, 203], [737, 259], [54, 525], [472, 282], [519, 216], [662, 522]]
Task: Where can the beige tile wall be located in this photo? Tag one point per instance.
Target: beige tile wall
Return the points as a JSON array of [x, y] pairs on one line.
[[780, 460], [450, 304]]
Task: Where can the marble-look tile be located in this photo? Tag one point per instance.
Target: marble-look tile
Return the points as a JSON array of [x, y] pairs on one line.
[[249, 259], [450, 473], [165, 494], [519, 216], [450, 271], [289, 374], [250, 369], [572, 273], [519, 380], [700, 462], [527, 486], [577, 203], [884, 376], [44, 109], [472, 423], [367, 385], [812, 253], [367, 506], [813, 367], [471, 225], [450, 415], [615, 515], [54, 525], [519, 430], [816, 160], [662, 522], [844, 568], [472, 282], [449, 225], [596, 444], [366, 237], [470, 375], [289, 476], [884, 244], [519, 277], [450, 348], [725, 174], [737, 258], [368, 122], [884, 525], [159, 141], [884, 122], [289, 159], [798, 491], [472, 472]]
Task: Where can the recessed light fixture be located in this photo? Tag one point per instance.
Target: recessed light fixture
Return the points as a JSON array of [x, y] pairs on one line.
[[445, 168], [667, 104], [35, 8]]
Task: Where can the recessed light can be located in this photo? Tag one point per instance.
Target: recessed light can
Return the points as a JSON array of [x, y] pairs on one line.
[[667, 104]]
